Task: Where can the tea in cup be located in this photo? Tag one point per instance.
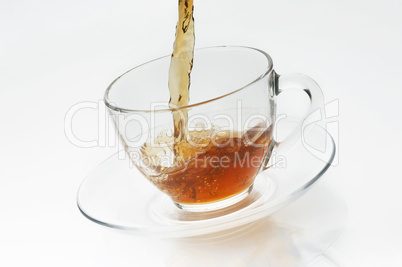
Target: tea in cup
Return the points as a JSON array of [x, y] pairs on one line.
[[227, 139]]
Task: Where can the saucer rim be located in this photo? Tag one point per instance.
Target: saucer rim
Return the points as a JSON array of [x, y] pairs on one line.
[[187, 228]]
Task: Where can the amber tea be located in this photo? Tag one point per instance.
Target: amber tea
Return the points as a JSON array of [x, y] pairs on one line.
[[213, 167]]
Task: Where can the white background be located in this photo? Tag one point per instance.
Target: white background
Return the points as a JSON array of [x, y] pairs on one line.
[[55, 54]]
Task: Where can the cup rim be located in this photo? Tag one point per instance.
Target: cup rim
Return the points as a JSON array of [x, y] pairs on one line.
[[110, 105]]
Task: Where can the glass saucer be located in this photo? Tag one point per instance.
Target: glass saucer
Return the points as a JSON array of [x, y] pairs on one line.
[[116, 195]]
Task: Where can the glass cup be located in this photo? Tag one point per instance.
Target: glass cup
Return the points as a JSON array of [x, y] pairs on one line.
[[227, 138]]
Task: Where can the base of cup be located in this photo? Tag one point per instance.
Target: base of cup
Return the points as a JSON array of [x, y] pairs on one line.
[[216, 205]]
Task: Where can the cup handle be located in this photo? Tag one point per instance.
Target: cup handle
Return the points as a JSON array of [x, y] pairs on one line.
[[296, 81]]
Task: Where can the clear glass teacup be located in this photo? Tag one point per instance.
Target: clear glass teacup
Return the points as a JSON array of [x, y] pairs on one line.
[[229, 124]]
